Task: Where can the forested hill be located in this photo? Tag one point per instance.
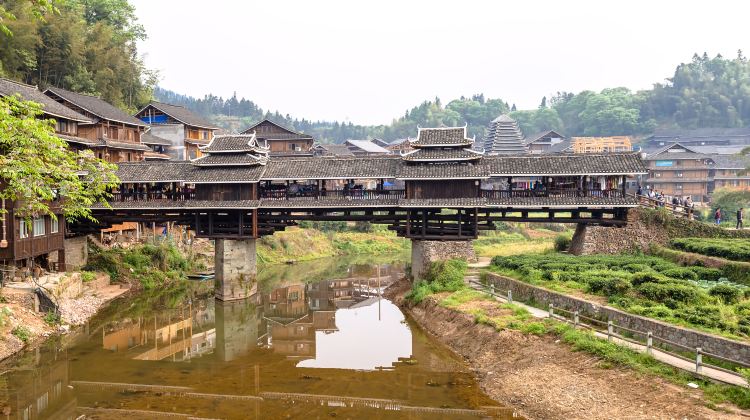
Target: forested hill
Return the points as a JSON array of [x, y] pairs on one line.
[[705, 92], [89, 46]]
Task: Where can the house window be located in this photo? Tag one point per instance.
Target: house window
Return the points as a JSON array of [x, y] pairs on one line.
[[23, 229], [679, 174], [39, 227], [62, 126], [204, 135], [54, 225]]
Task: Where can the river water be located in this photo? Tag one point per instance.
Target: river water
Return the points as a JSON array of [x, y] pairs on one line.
[[316, 341]]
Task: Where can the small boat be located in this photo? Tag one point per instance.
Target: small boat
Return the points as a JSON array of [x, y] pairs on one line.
[[201, 276]]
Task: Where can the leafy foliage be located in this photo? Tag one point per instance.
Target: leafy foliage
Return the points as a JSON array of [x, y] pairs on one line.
[[37, 168], [87, 46], [442, 276]]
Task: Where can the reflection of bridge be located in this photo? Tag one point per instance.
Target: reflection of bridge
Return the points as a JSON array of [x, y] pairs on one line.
[[443, 191]]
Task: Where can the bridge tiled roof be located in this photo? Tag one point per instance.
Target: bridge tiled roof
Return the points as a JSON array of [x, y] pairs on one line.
[[450, 170], [433, 155], [330, 168], [571, 164], [384, 167], [441, 137]]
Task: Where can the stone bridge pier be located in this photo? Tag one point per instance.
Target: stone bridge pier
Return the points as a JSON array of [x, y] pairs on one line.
[[425, 252], [235, 269]]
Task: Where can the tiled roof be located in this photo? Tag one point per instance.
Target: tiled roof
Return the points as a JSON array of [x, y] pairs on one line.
[[563, 202], [148, 138], [227, 159], [181, 114], [96, 106], [124, 145], [172, 171], [570, 164], [676, 156], [185, 204], [336, 149], [287, 134], [233, 143], [368, 146], [437, 137], [155, 156], [451, 170], [31, 93], [442, 202], [433, 155], [224, 174], [79, 140], [331, 168], [730, 161], [536, 136], [504, 136]]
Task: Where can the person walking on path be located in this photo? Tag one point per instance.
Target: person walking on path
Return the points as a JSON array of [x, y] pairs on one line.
[[740, 216], [717, 216]]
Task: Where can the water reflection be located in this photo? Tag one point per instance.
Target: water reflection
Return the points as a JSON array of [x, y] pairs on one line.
[[295, 349]]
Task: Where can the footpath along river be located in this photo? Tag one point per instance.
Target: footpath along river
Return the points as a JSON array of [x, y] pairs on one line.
[[316, 341]]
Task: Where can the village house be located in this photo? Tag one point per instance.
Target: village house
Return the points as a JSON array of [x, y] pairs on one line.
[[678, 170], [182, 132], [543, 141], [613, 144], [401, 145], [281, 141], [42, 243], [366, 148], [118, 134], [704, 140], [728, 172]]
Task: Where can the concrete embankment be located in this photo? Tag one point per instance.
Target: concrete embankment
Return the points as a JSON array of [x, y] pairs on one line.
[[543, 378]]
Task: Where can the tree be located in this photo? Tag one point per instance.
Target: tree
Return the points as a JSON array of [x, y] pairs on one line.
[[38, 8], [36, 167], [730, 200]]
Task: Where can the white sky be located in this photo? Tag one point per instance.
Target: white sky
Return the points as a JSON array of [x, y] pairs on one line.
[[368, 61]]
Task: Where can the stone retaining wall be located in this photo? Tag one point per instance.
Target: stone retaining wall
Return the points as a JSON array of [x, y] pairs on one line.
[[635, 236], [710, 343], [425, 252]]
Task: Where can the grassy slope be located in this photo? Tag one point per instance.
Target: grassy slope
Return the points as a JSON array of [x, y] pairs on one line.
[[296, 244]]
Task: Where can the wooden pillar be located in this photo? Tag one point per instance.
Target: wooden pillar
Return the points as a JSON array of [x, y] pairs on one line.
[[241, 221], [255, 223], [459, 222], [624, 189], [424, 223], [510, 186], [210, 223]]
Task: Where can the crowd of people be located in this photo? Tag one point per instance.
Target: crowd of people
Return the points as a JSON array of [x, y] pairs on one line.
[[677, 202]]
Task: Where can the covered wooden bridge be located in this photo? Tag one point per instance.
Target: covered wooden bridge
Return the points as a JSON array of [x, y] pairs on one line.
[[443, 190]]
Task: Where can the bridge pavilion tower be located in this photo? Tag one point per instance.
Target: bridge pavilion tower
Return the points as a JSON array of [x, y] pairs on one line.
[[442, 171]]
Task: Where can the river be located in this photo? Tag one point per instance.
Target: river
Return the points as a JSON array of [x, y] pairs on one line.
[[316, 341]]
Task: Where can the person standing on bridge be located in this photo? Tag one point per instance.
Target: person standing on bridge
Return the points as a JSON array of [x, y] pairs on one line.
[[740, 216], [717, 216]]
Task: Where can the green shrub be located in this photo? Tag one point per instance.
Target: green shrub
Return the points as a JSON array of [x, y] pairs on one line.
[[562, 242], [22, 333], [442, 276], [731, 249], [87, 276], [680, 273], [669, 292], [609, 286], [727, 293], [708, 274], [647, 277]]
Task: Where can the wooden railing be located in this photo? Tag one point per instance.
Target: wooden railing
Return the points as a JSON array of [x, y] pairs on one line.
[[150, 196], [356, 193], [551, 192], [676, 210]]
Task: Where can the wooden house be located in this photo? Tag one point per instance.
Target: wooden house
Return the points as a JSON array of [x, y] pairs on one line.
[[613, 144], [281, 141], [117, 134], [678, 170], [186, 131], [543, 141], [366, 148]]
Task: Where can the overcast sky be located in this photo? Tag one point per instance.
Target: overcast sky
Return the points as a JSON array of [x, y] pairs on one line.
[[368, 61]]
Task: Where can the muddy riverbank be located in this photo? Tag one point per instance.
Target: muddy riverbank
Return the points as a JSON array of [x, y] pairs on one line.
[[544, 378]]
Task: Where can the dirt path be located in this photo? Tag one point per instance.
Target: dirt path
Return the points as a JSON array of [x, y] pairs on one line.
[[544, 379]]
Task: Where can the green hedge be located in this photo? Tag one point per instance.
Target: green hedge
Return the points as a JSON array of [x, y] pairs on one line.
[[731, 249], [646, 285]]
